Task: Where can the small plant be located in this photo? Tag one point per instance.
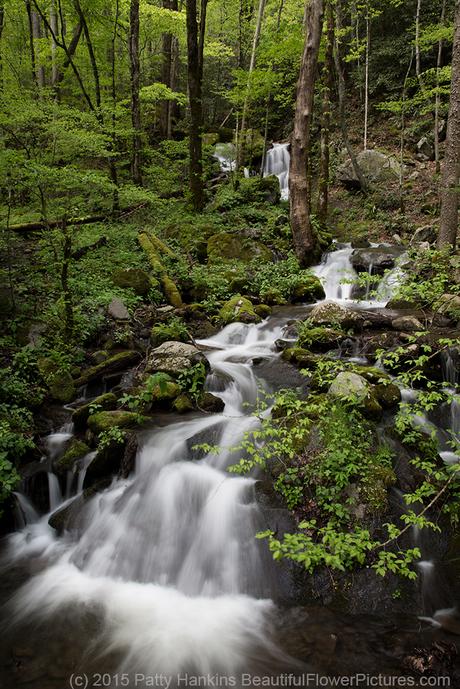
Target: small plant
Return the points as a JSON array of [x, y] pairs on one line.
[[111, 436], [192, 380], [175, 329]]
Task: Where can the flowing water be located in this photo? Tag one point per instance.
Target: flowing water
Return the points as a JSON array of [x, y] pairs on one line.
[[164, 573], [277, 161]]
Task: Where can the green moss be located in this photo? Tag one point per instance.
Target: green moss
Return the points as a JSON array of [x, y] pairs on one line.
[[60, 383], [133, 278], [374, 486], [387, 395], [183, 404], [301, 357], [75, 450], [308, 288], [238, 309], [320, 338], [166, 391], [151, 245], [105, 402], [104, 420], [273, 296], [117, 362], [263, 310], [226, 247], [171, 292]]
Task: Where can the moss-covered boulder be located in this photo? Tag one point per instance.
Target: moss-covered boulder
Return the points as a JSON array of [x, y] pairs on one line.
[[117, 362], [76, 449], [183, 404], [301, 357], [263, 310], [105, 420], [227, 247], [308, 288], [332, 314], [132, 278], [60, 383], [354, 388], [272, 296], [107, 402], [162, 394], [238, 310], [320, 339], [388, 395], [174, 358], [210, 403]]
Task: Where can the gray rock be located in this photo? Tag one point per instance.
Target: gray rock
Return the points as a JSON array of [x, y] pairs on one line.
[[331, 313], [426, 233], [380, 258], [174, 358], [374, 165], [118, 310], [348, 384], [425, 149], [407, 323]]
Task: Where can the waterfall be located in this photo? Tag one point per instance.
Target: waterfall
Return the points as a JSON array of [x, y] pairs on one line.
[[277, 161], [226, 155], [337, 274]]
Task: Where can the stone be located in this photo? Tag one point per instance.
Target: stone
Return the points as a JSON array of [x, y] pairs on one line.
[[425, 233], [263, 310], [449, 305], [118, 310], [107, 402], [105, 420], [76, 449], [320, 338], [174, 358], [407, 324], [388, 395], [210, 403], [379, 259], [238, 309], [308, 288], [132, 278], [226, 247], [375, 167], [118, 362], [60, 383], [183, 404], [425, 149], [350, 385], [333, 314]]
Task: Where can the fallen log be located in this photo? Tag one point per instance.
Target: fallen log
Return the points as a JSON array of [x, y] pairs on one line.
[[42, 225]]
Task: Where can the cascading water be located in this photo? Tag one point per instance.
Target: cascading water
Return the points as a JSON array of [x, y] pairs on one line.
[[337, 274], [277, 160], [226, 155]]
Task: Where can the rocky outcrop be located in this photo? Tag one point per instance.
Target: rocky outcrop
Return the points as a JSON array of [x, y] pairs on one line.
[[117, 362], [238, 310], [174, 358], [332, 314], [132, 278], [105, 420], [375, 260], [407, 324], [375, 167], [75, 450], [107, 402], [308, 288]]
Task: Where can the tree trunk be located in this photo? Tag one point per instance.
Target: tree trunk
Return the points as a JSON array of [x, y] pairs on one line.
[[91, 53], [302, 231], [54, 25], [135, 88], [2, 26], [323, 196], [418, 69], [437, 104], [252, 64], [36, 35], [366, 77], [168, 69], [33, 61], [448, 224], [195, 45]]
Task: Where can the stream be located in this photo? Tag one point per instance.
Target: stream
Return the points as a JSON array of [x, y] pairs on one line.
[[164, 578]]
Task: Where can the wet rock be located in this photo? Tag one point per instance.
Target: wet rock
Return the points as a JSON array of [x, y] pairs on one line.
[[183, 404], [238, 310], [174, 358], [76, 449], [407, 324], [361, 243], [132, 278], [118, 310], [69, 517], [378, 259], [226, 247], [105, 420], [210, 403], [332, 314], [449, 305], [60, 383], [375, 167], [107, 402], [301, 357], [128, 462], [308, 289], [320, 339], [117, 362], [388, 395], [263, 310], [348, 384]]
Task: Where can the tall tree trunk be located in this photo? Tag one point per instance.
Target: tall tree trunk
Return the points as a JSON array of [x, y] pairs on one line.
[[54, 25], [135, 88], [2, 26], [302, 231], [113, 61], [323, 195], [252, 64], [70, 52], [37, 34], [33, 61], [342, 101], [195, 45], [418, 68], [168, 69], [366, 77], [437, 103], [91, 53], [448, 224]]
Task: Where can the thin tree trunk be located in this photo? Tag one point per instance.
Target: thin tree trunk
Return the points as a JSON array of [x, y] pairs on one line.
[[437, 104], [73, 45], [113, 56], [195, 46], [66, 292], [302, 230], [135, 88], [33, 61], [54, 25], [342, 102], [2, 26], [91, 53], [448, 224], [403, 132], [167, 73], [418, 69], [270, 96], [366, 78], [323, 196], [252, 64], [37, 34]]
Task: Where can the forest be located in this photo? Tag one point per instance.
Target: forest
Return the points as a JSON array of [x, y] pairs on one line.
[[230, 350]]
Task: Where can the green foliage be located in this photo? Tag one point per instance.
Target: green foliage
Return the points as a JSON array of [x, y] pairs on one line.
[[112, 436], [192, 380], [173, 329], [142, 398]]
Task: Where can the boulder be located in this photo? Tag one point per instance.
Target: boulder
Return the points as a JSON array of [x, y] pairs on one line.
[[426, 233], [375, 167], [320, 339], [360, 243], [76, 449], [350, 385], [407, 324], [308, 288], [210, 403], [106, 402], [333, 314], [263, 310], [449, 305], [117, 310], [60, 383], [183, 404], [425, 149], [376, 259], [174, 358], [105, 420], [387, 394], [238, 309], [132, 278], [226, 247], [117, 362]]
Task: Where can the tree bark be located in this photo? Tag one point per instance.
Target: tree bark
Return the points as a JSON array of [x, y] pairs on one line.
[[366, 77], [448, 224], [2, 26], [195, 45], [168, 73], [418, 68], [437, 104], [302, 231], [54, 25], [135, 88], [33, 61], [37, 34], [323, 195], [91, 53]]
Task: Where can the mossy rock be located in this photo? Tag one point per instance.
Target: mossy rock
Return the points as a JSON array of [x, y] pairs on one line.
[[60, 384], [227, 247], [301, 357], [167, 391], [132, 278], [309, 288], [238, 310], [374, 488], [320, 338], [117, 362], [171, 292], [76, 449], [105, 420], [263, 310], [183, 404], [210, 403], [107, 402], [372, 374], [355, 389], [273, 297], [388, 395]]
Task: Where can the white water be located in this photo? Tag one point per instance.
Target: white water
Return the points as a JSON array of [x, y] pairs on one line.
[[226, 155], [277, 160]]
